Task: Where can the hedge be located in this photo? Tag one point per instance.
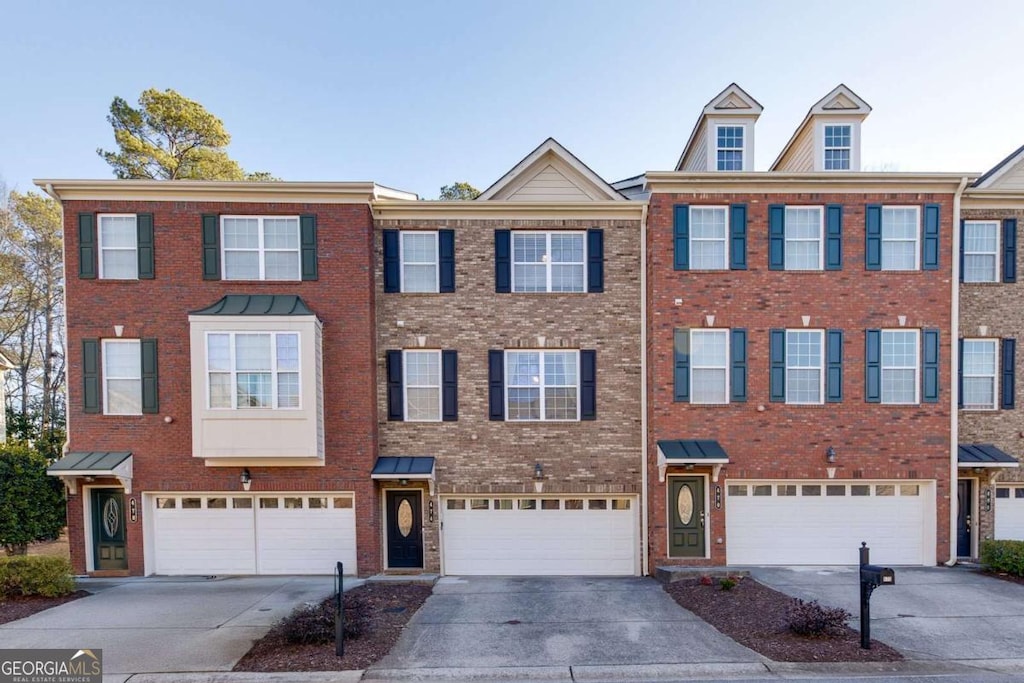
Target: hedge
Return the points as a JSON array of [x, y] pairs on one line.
[[35, 575], [1003, 556]]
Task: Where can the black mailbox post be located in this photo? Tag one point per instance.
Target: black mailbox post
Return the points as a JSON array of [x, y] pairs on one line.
[[871, 577]]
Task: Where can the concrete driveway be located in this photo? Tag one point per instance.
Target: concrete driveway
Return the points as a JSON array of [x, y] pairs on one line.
[[167, 624], [932, 613], [500, 625]]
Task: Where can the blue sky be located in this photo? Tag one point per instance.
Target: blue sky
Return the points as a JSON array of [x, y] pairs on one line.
[[419, 94]]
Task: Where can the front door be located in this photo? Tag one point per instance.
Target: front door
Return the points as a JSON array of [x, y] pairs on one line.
[[686, 517], [964, 518], [404, 529], [108, 537]]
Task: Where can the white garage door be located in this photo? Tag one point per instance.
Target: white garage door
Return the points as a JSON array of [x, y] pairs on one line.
[[1010, 513], [825, 522], [540, 536], [253, 534]]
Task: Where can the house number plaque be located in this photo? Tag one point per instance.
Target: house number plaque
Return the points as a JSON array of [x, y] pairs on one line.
[[718, 497], [133, 510]]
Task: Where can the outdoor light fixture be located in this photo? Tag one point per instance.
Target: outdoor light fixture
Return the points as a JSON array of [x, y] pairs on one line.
[[830, 455], [403, 482], [538, 471], [246, 479]]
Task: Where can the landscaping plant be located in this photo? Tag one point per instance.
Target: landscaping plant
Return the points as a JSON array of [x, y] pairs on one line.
[[1003, 556], [31, 501], [812, 619], [35, 575]]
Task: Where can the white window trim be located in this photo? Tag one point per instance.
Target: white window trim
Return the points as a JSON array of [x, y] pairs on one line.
[[917, 238], [542, 385], [406, 386], [999, 246], [821, 367], [825, 148], [994, 376], [916, 368], [233, 372], [437, 259], [742, 149], [548, 262], [725, 238], [821, 239], [100, 248], [261, 250], [107, 376], [694, 366]]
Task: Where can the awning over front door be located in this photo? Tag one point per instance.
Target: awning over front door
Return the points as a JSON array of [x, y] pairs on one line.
[[409, 467], [71, 467], [691, 452], [970, 455]]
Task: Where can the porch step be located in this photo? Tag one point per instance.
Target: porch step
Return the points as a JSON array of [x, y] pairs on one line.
[[674, 573], [418, 578]]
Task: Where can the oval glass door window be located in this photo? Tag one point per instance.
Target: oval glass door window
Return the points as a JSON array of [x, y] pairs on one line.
[[684, 503], [404, 518], [111, 517]]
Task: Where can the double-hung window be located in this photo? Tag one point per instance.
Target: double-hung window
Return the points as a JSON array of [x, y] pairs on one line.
[[122, 377], [709, 366], [118, 247], [419, 258], [253, 369], [422, 382], [900, 366], [542, 385], [979, 374], [805, 376], [901, 230], [260, 247], [804, 236], [729, 148], [838, 146], [549, 261], [981, 251], [709, 238]]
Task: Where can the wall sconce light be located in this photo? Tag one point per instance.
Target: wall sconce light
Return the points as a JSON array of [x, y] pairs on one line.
[[118, 330], [538, 471], [246, 479], [403, 482], [830, 455]]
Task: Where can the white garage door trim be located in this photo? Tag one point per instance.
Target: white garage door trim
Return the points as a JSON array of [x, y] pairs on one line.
[[268, 532], [1009, 520], [540, 535], [823, 522]]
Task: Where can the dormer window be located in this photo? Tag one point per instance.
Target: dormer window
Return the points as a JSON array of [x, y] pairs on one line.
[[730, 148], [838, 146]]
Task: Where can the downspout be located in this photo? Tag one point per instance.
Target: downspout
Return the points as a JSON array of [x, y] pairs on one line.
[[645, 503], [954, 393]]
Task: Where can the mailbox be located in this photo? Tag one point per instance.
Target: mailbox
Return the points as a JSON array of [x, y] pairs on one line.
[[871, 577], [877, 576]]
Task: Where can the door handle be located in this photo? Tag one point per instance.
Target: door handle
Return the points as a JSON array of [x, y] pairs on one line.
[[702, 514], [968, 522]]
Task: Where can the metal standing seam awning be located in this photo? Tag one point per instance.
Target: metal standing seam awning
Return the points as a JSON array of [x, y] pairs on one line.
[[71, 467], [406, 467], [984, 456], [691, 452]]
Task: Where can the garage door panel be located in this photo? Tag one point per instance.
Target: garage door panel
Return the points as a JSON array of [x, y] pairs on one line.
[[1009, 513], [204, 541], [305, 541]]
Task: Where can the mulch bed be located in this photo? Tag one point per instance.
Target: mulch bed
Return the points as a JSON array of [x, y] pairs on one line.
[[21, 606], [1003, 576], [755, 616], [380, 611]]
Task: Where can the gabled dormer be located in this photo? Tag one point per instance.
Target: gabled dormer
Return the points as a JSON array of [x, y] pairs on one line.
[[550, 173], [828, 139], [723, 139]]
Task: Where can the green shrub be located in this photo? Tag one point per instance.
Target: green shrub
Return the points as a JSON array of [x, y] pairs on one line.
[[812, 619], [31, 502], [35, 575], [727, 584], [1003, 556]]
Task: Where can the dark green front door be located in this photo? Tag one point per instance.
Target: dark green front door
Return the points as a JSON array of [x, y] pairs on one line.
[[108, 529], [686, 518]]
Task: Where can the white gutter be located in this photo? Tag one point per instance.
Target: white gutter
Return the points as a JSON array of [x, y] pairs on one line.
[[644, 502], [954, 393]]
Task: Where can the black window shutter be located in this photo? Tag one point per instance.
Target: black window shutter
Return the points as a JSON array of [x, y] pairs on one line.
[[777, 366], [496, 384], [1009, 353], [144, 230], [307, 239], [834, 358], [873, 237], [738, 365], [873, 366], [211, 247], [681, 365], [396, 398], [738, 237], [963, 234], [502, 262], [595, 260], [930, 243], [588, 385], [960, 374], [91, 375], [86, 246], [150, 379], [834, 237], [776, 237], [449, 386], [446, 261], [1009, 250], [930, 374], [392, 267], [681, 236]]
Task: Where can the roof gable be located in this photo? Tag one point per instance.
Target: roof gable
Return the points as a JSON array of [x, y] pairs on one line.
[[733, 101], [841, 100], [550, 173], [1009, 172]]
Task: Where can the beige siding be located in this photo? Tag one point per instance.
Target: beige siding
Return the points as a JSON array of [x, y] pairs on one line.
[[698, 154], [551, 184], [1012, 179], [800, 158]]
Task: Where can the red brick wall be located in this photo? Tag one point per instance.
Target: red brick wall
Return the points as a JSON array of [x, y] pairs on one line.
[[784, 441], [342, 298]]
